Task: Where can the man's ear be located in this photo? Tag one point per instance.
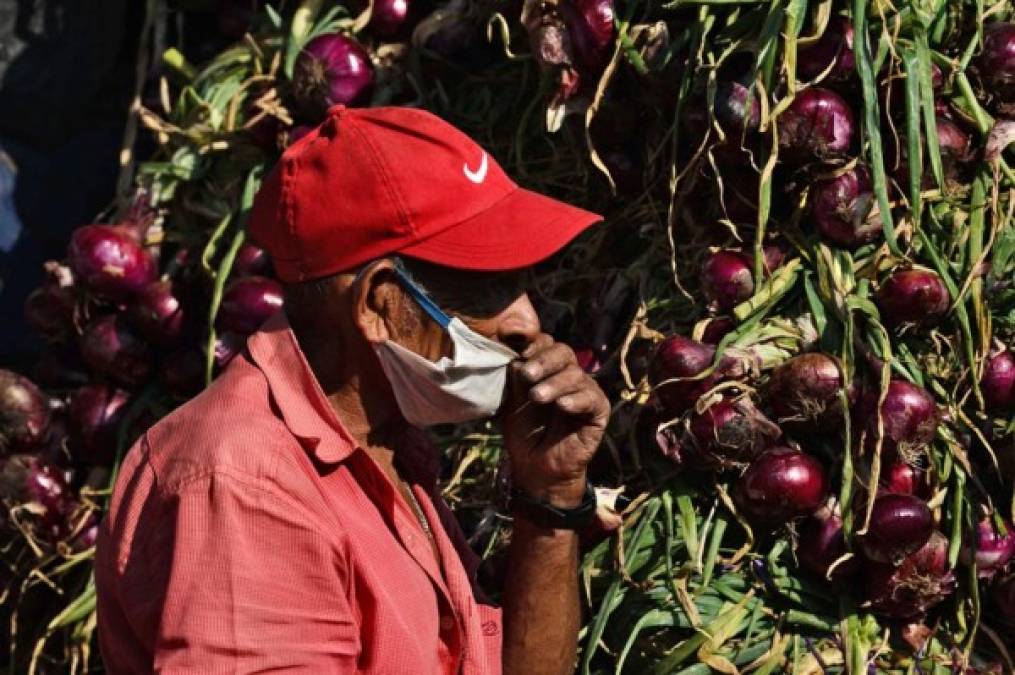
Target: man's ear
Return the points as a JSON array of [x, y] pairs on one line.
[[375, 301]]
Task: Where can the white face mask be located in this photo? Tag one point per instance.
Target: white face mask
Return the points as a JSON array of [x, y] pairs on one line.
[[467, 386]]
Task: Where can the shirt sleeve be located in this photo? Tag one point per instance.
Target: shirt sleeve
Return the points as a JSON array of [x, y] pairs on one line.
[[250, 584]]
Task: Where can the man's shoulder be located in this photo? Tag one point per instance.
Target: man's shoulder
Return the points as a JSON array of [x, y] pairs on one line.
[[229, 428]]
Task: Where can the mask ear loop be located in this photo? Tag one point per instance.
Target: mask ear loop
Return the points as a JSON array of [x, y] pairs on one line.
[[417, 293]]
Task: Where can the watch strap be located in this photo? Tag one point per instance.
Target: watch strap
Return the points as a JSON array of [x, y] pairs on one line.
[[545, 514]]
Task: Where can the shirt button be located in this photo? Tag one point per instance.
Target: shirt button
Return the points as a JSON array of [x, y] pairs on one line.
[[447, 623]]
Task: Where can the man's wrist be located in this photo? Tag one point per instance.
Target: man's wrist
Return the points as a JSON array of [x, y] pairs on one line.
[[565, 495], [546, 514]]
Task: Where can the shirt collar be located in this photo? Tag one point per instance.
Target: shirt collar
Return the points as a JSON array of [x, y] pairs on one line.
[[302, 404]]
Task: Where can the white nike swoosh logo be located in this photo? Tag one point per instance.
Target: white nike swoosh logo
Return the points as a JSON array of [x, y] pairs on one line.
[[479, 175]]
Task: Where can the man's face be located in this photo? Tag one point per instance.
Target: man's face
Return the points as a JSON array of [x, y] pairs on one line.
[[494, 304]]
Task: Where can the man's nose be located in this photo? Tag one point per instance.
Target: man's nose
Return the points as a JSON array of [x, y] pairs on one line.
[[518, 325]]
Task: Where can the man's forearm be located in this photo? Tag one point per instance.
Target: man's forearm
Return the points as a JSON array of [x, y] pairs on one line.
[[541, 612]]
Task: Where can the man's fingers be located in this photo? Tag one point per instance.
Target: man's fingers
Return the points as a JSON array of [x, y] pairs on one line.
[[585, 401], [569, 380], [542, 341], [544, 363]]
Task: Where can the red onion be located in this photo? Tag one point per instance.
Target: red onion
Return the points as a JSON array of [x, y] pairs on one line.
[[49, 309], [817, 125], [110, 349], [821, 543], [736, 109], [590, 25], [998, 381], [24, 413], [28, 480], [918, 583], [332, 69], [680, 357], [781, 484], [716, 330], [227, 346], [96, 411], [731, 431], [158, 314], [247, 303], [87, 535], [899, 525], [840, 207], [901, 477], [833, 51], [250, 261], [909, 415], [997, 60], [587, 359], [915, 296], [388, 16], [110, 261], [805, 391], [727, 279], [956, 151], [992, 550]]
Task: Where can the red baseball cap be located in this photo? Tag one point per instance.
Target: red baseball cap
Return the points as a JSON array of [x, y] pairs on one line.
[[370, 182]]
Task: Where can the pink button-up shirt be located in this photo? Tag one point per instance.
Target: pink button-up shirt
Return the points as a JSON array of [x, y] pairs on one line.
[[248, 532]]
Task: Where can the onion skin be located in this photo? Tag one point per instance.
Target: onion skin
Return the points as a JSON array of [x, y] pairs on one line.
[[332, 69], [111, 350], [251, 261], [818, 125], [95, 413], [904, 478], [998, 381], [227, 346], [899, 525], [834, 48], [727, 279], [909, 414], [680, 357], [781, 484], [158, 314], [24, 413], [716, 330], [737, 110], [50, 309], [821, 543], [996, 62], [247, 303], [908, 590], [804, 391], [388, 16], [956, 151], [916, 297], [730, 431], [109, 261], [591, 27], [992, 549], [840, 207], [27, 479]]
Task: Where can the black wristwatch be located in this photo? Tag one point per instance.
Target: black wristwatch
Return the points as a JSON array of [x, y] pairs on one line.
[[545, 514]]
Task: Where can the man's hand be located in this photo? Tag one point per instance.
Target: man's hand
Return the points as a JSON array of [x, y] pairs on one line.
[[553, 419]]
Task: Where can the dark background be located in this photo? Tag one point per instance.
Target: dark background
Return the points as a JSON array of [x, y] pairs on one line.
[[67, 76]]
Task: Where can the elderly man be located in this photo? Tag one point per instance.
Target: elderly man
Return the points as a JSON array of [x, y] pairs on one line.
[[288, 518]]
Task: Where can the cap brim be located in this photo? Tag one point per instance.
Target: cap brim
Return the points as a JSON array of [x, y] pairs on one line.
[[521, 229]]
